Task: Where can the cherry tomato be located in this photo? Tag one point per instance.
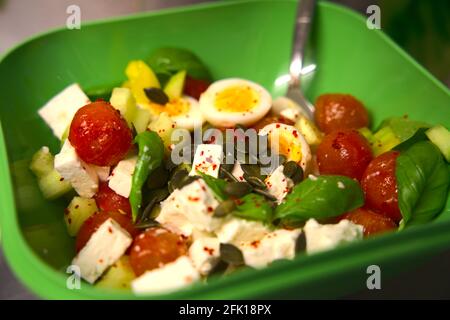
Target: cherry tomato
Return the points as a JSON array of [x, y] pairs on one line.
[[340, 111], [154, 248], [96, 220], [195, 87], [344, 152], [380, 185], [271, 119], [108, 200], [99, 134], [373, 223]]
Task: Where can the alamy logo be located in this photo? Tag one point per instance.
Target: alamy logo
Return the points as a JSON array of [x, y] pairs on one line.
[[374, 280], [74, 19], [374, 18], [73, 282]]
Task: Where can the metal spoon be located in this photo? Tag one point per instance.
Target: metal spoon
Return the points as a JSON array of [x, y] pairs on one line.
[[305, 13]]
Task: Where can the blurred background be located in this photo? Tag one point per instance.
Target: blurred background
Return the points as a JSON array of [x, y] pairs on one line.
[[421, 27]]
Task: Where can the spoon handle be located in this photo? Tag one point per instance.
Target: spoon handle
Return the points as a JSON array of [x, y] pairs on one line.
[[305, 13]]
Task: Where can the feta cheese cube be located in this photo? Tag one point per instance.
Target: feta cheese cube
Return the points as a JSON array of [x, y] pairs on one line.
[[190, 207], [237, 231], [278, 184], [102, 172], [237, 171], [279, 244], [169, 277], [105, 247], [323, 237], [81, 176], [59, 111], [207, 159], [205, 253], [121, 176]]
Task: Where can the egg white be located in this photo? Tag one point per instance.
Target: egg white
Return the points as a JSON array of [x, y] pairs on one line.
[[192, 118], [223, 118]]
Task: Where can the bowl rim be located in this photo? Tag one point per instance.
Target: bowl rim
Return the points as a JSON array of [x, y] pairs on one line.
[[46, 282]]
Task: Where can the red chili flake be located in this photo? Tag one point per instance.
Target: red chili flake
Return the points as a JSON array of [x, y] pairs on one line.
[[100, 260], [238, 201], [61, 179], [110, 230], [203, 188], [255, 244], [209, 250], [278, 125], [70, 220], [295, 133], [210, 209], [214, 166], [188, 279], [173, 125], [202, 153], [77, 206], [66, 211], [193, 198]]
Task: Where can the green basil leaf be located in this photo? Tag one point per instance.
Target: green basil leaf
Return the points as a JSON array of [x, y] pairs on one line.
[[318, 198], [168, 61], [216, 185], [254, 207], [423, 179]]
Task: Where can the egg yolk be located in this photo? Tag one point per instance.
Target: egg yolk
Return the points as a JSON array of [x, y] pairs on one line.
[[173, 108], [236, 99], [286, 145]]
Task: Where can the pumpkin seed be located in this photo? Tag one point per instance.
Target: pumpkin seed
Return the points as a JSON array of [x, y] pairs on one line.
[[300, 243], [158, 178], [155, 197], [255, 181], [218, 269], [231, 254], [290, 168], [147, 224], [265, 194], [298, 176], [177, 179], [224, 208], [225, 173], [156, 95], [251, 170], [237, 189]]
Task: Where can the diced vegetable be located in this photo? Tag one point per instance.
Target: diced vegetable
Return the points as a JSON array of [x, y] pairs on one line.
[[440, 136], [77, 212], [384, 140], [122, 99], [141, 119], [50, 182], [53, 185], [118, 276], [42, 162], [175, 85], [309, 130], [366, 134], [163, 125], [65, 135], [141, 76]]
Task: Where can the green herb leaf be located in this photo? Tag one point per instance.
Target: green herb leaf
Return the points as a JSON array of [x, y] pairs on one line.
[[216, 185], [151, 152], [321, 197], [403, 128], [254, 207], [423, 179]]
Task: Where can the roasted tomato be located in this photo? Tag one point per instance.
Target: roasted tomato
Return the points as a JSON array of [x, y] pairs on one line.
[[271, 119], [344, 152], [340, 111], [95, 221], [195, 87], [154, 248], [108, 200], [380, 185], [99, 134], [373, 223]]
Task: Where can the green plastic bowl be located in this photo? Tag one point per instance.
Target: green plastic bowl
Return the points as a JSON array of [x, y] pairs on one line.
[[249, 39]]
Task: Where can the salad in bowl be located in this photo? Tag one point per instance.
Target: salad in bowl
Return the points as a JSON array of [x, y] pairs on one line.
[[173, 178]]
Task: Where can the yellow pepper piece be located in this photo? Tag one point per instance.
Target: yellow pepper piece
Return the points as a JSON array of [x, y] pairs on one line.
[[140, 76]]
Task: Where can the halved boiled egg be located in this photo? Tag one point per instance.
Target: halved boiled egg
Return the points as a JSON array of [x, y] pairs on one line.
[[229, 102], [184, 111], [288, 141]]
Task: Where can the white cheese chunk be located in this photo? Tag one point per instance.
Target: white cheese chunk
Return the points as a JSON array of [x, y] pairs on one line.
[[286, 108], [323, 237], [102, 172], [237, 172], [121, 176], [190, 207], [237, 231], [279, 244], [103, 249], [205, 253], [169, 277], [59, 111], [81, 176], [207, 159], [278, 184]]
